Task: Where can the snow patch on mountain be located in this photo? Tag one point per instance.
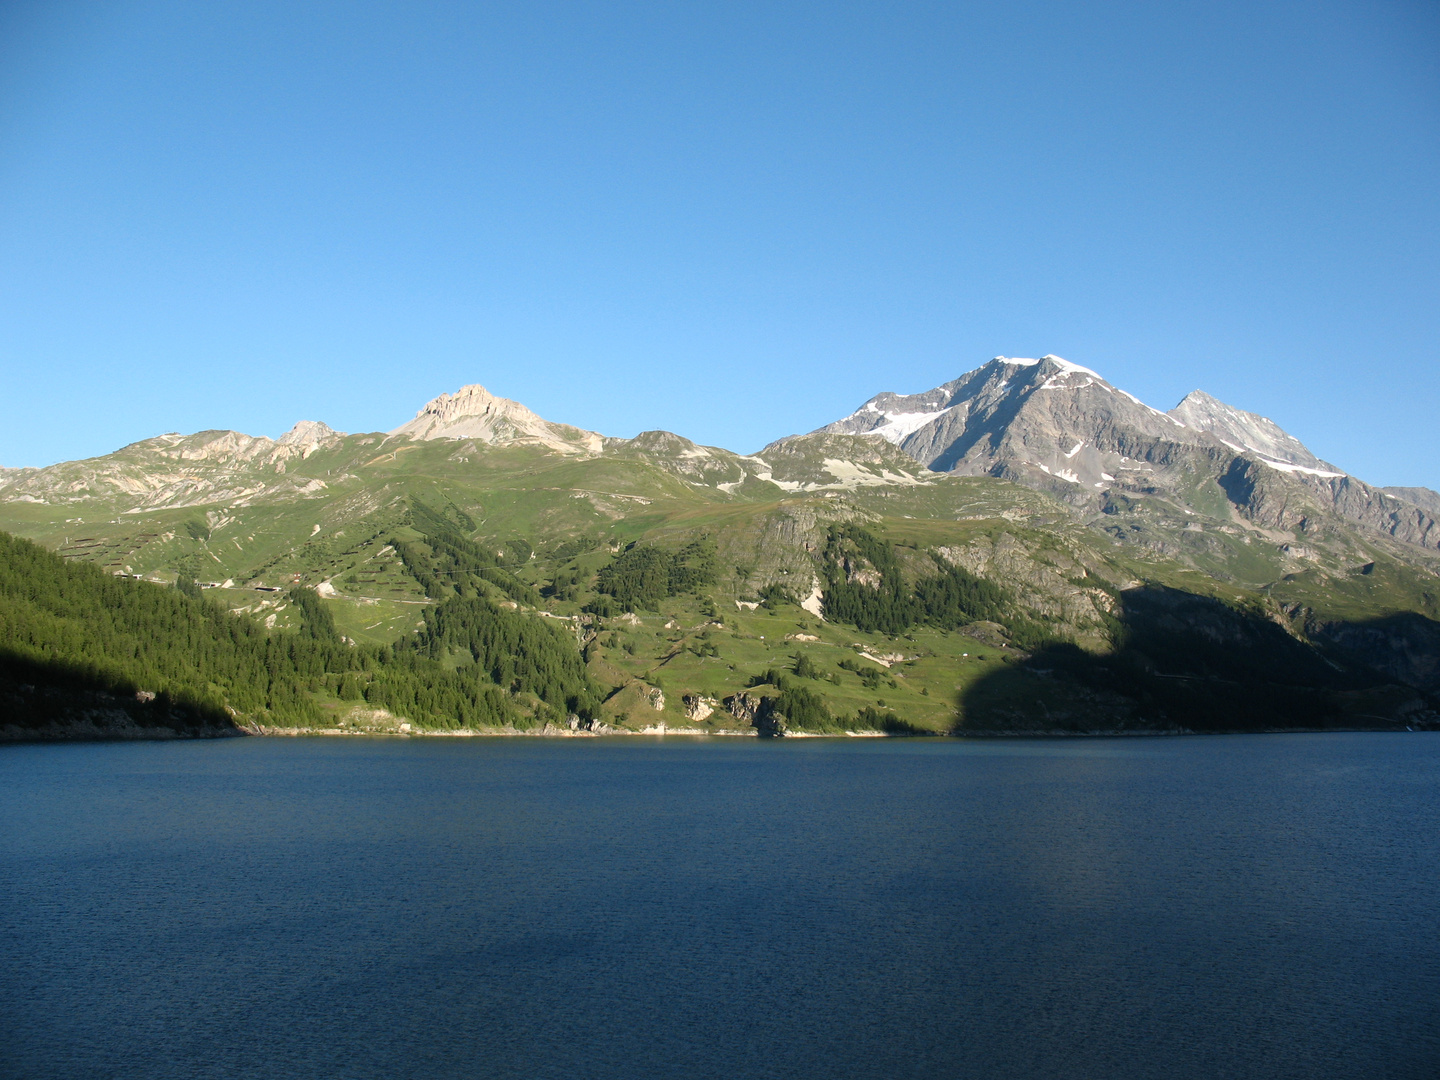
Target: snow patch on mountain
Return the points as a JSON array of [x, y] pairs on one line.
[[1068, 475], [898, 425], [1291, 467]]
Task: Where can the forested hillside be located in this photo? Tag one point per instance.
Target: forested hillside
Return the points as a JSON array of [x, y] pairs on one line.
[[78, 642]]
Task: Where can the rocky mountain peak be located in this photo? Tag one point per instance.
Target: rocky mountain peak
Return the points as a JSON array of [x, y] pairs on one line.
[[304, 439], [665, 442], [1241, 431], [472, 412], [469, 402], [1016, 415], [309, 433], [1060, 427]]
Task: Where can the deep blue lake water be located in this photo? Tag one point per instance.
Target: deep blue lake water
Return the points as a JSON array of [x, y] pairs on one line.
[[1254, 906]]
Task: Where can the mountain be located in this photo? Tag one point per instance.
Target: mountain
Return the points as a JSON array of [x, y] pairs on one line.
[[179, 470], [1048, 422], [1061, 428], [309, 436], [1025, 548], [1242, 431], [472, 412]]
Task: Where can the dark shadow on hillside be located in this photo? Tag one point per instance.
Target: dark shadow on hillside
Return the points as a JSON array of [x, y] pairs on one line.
[[1404, 647], [42, 700], [1196, 663]]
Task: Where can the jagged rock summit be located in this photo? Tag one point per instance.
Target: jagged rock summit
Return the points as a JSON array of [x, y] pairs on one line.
[[1241, 430], [1047, 421], [309, 436], [472, 412]]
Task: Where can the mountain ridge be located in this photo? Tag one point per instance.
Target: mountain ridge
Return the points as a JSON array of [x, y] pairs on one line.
[[1061, 427], [927, 599], [1045, 423]]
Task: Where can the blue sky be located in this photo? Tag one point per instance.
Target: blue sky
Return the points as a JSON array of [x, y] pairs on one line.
[[732, 221]]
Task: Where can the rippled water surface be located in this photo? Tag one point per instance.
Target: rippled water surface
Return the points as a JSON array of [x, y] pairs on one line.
[[1262, 906]]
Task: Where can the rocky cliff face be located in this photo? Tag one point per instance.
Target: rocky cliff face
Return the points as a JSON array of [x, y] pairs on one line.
[[1298, 503], [472, 412], [1427, 500]]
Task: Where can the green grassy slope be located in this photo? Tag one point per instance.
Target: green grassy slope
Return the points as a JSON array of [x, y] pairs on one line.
[[1072, 644]]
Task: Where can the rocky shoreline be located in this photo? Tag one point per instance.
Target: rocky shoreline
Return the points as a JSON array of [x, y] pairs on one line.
[[48, 714]]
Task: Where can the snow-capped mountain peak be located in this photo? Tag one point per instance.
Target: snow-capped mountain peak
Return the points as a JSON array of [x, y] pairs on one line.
[[956, 426], [1057, 424]]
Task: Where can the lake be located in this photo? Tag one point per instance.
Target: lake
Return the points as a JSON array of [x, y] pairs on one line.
[[1261, 906]]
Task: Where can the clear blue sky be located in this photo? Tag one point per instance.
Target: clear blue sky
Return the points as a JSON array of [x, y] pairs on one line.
[[732, 221]]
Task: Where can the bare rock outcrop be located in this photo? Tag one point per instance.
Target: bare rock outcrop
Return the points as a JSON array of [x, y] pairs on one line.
[[743, 706], [472, 412], [699, 706]]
